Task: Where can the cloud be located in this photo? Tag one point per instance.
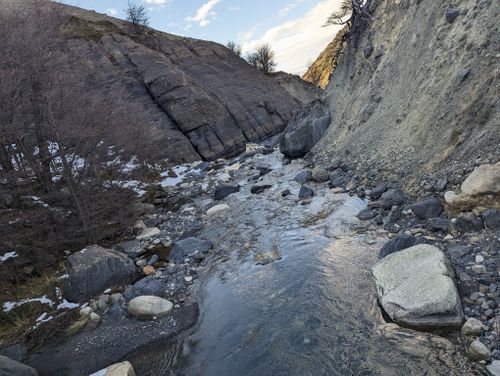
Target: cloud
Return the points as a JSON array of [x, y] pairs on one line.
[[205, 14], [157, 2], [298, 42], [288, 7], [111, 12], [233, 8]]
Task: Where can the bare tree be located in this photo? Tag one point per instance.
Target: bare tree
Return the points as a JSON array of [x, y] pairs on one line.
[[263, 58], [236, 48], [352, 13], [137, 14]]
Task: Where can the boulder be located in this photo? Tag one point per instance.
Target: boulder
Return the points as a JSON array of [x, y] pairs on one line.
[[147, 307], [399, 243], [217, 210], [485, 179], [478, 351], [491, 219], [306, 129], [305, 192], [94, 269], [428, 208], [188, 246], [132, 248], [9, 367], [120, 369], [416, 289], [320, 175], [472, 327], [222, 191]]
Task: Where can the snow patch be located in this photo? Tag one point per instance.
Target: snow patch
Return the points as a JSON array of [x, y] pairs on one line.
[[9, 306], [7, 256]]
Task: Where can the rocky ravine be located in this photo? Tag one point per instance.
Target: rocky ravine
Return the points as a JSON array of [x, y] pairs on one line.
[[206, 101], [252, 212]]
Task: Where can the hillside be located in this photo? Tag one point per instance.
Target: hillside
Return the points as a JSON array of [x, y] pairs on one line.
[[206, 101], [419, 92]]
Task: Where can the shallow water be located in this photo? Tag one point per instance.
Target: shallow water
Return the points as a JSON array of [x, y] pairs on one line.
[[311, 312]]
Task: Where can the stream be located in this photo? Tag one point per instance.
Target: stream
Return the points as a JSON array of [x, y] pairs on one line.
[[290, 292]]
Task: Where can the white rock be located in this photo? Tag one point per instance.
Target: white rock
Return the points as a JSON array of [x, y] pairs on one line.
[[188, 278], [483, 180], [479, 259], [120, 369], [450, 197], [416, 289], [148, 233], [217, 209], [146, 307], [94, 316], [478, 351], [472, 327], [85, 311]]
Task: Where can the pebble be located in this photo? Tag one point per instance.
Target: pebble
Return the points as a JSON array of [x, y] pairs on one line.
[[479, 259], [188, 278], [472, 327], [479, 269], [478, 351]]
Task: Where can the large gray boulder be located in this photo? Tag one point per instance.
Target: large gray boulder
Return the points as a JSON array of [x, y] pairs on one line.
[[416, 288], [94, 269], [306, 129], [9, 367]]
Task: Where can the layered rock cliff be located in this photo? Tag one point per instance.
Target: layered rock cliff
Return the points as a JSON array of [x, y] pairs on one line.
[[418, 92], [206, 101]]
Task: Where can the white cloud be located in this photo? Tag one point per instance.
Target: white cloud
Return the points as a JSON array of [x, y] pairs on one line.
[[300, 41], [157, 2], [205, 14], [111, 12], [288, 7], [233, 8]]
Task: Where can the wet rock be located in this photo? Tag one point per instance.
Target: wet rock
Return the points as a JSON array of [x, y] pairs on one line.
[[485, 179], [305, 192], [221, 192], [491, 218], [376, 192], [189, 246], [306, 129], [263, 171], [303, 177], [320, 175], [93, 270], [366, 214], [9, 367], [264, 258], [478, 351], [399, 243], [437, 224], [286, 193], [451, 14], [256, 189], [120, 369], [415, 288], [472, 327], [153, 260], [148, 307], [428, 208], [218, 210]]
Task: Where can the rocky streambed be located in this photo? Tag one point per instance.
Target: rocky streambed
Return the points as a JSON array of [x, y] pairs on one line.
[[262, 266]]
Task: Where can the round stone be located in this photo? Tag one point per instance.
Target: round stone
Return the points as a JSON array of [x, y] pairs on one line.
[[147, 307]]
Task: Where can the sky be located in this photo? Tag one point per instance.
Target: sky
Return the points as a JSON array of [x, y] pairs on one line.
[[293, 28]]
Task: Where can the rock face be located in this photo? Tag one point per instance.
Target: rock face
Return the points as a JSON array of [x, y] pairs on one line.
[[306, 129], [9, 367], [416, 289], [147, 307], [205, 101], [399, 122], [94, 269]]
